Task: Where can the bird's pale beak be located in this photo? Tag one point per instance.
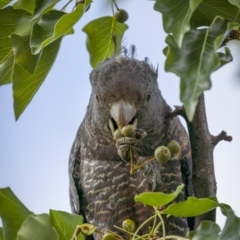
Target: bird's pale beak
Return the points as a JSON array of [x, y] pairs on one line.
[[122, 112]]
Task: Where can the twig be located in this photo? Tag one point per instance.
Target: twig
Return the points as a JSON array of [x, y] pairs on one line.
[[222, 136]]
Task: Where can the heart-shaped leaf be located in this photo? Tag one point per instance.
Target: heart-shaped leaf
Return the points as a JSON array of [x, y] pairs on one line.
[[191, 207], [100, 43], [156, 199]]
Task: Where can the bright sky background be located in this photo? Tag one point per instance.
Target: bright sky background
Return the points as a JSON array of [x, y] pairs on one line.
[[34, 150]]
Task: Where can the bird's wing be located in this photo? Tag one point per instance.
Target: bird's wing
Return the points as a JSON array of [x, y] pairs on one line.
[[74, 161]]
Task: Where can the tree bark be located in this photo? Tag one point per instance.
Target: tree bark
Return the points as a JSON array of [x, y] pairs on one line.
[[202, 145], [203, 174]]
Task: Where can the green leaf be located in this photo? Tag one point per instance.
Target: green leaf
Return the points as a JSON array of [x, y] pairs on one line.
[[225, 208], [100, 34], [8, 18], [37, 228], [232, 228], [26, 5], [65, 224], [207, 230], [22, 53], [43, 31], [1, 233], [176, 16], [191, 207], [196, 60], [4, 3], [43, 6], [225, 57], [157, 198], [53, 25], [12, 213], [24, 25], [235, 2], [25, 85], [208, 10], [6, 68]]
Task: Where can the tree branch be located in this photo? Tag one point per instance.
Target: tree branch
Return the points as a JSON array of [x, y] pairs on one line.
[[222, 136], [202, 145]]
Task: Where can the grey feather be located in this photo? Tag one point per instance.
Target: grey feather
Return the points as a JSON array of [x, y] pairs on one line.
[[101, 186]]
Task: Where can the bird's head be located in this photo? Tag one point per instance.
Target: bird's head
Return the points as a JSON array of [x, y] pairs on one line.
[[125, 89]]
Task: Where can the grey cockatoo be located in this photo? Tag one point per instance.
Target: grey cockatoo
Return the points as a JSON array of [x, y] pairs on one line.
[[102, 190]]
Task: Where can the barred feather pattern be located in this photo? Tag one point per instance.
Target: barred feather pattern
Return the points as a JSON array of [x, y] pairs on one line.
[[102, 189]]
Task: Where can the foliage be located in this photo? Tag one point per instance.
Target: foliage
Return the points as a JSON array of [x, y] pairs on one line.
[[30, 36], [191, 51], [21, 224]]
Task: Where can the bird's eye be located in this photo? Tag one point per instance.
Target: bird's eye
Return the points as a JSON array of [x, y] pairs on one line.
[[148, 96], [97, 98]]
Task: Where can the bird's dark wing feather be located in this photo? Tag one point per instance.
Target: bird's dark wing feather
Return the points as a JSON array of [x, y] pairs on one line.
[[74, 161]]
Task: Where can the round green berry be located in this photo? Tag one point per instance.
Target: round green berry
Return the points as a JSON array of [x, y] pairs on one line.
[[121, 15], [108, 236], [162, 154], [129, 225], [174, 147], [128, 130], [117, 134]]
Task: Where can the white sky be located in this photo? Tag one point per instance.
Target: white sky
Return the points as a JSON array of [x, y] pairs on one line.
[[34, 150]]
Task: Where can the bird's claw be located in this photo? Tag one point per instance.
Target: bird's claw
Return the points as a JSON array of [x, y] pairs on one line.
[[124, 144]]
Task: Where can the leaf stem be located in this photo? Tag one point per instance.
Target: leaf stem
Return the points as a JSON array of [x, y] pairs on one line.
[[145, 222], [123, 230], [173, 237], [154, 224], [115, 234], [163, 224], [63, 8], [115, 4]]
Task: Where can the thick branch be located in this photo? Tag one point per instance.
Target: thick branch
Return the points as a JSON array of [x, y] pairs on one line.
[[203, 175], [202, 145]]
